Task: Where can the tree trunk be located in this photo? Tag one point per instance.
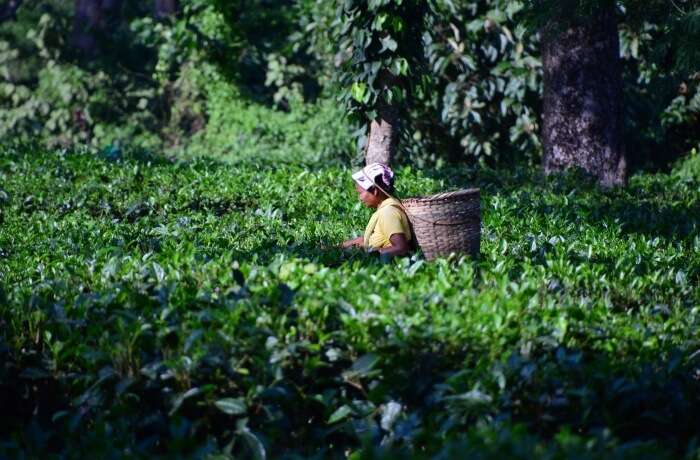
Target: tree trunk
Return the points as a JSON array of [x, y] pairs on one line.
[[583, 108], [85, 20], [383, 136], [9, 10], [90, 18], [165, 8]]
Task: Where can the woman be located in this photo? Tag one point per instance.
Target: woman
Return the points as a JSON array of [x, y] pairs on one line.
[[388, 230]]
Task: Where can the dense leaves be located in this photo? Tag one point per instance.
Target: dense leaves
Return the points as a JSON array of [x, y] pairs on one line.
[[380, 52], [152, 308], [485, 86], [466, 72]]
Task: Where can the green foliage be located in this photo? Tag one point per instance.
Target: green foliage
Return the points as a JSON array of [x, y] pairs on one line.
[[45, 93], [198, 309], [485, 84], [262, 47], [661, 100], [474, 77], [238, 129], [379, 52], [168, 99], [480, 96], [689, 166], [466, 74]]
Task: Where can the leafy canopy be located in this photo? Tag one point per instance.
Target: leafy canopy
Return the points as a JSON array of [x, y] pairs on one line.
[[380, 51]]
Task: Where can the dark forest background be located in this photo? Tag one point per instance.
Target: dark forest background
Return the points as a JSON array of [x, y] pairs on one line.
[[228, 78]]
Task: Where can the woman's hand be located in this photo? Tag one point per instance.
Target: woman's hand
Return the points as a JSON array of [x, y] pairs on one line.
[[353, 243]]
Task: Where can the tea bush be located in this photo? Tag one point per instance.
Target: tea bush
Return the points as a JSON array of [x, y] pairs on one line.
[[196, 309]]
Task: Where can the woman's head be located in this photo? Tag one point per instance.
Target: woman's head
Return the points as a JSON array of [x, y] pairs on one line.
[[374, 183]]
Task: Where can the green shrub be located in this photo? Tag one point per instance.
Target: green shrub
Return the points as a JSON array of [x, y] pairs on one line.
[[239, 129], [46, 94], [689, 167], [152, 308]]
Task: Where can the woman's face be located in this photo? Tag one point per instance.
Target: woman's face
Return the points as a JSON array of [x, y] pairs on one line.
[[370, 199]]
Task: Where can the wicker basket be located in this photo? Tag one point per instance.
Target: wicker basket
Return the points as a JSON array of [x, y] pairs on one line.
[[446, 222]]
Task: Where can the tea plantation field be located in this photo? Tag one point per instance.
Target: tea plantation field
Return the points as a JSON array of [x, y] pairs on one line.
[[152, 308]]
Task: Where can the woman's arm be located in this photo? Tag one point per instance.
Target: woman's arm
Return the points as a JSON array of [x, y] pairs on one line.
[[354, 243], [399, 246]]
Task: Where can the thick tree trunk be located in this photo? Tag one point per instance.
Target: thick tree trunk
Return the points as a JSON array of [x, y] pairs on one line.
[[85, 21], [165, 8], [383, 136], [90, 18], [9, 10], [583, 108]]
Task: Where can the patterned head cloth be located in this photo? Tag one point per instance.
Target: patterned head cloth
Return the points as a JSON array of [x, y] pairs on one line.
[[367, 175]]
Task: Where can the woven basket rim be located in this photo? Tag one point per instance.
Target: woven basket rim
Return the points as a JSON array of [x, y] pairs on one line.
[[442, 196]]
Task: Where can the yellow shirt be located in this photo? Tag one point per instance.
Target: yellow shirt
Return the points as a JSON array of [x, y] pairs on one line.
[[387, 220]]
